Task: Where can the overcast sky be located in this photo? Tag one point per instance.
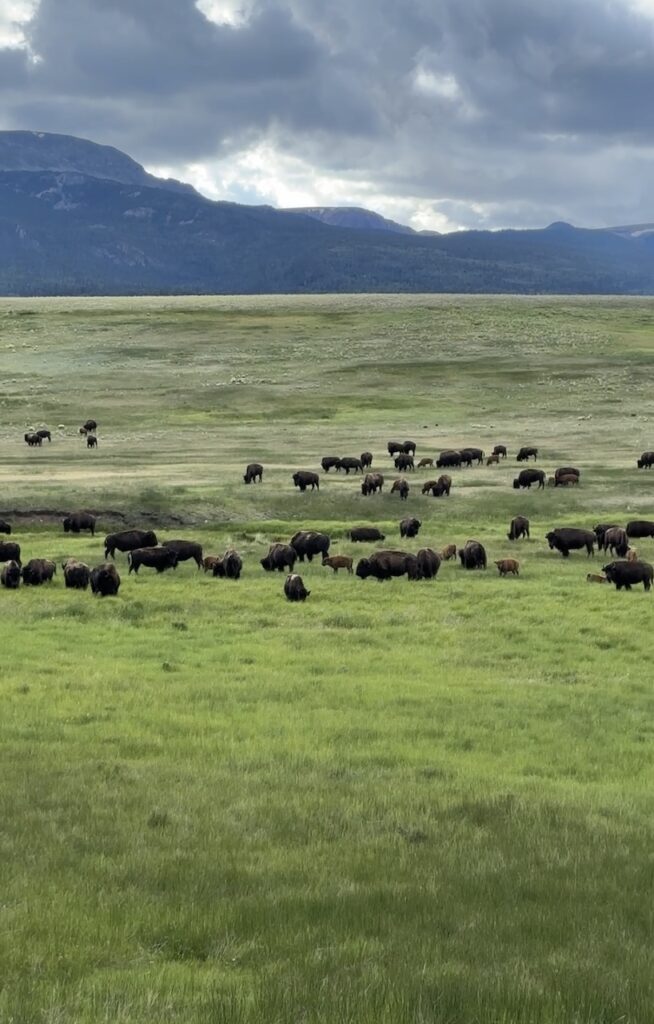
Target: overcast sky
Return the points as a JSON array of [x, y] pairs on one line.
[[438, 113]]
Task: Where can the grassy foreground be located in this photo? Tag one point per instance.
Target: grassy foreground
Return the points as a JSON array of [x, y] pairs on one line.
[[421, 802]]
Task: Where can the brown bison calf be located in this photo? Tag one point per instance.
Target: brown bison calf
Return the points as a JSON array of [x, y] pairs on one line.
[[632, 555], [425, 462], [508, 565], [337, 562], [209, 561], [449, 551], [492, 460], [595, 577]]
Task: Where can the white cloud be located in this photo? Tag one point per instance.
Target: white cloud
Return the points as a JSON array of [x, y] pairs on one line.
[[225, 12], [13, 16], [429, 83]]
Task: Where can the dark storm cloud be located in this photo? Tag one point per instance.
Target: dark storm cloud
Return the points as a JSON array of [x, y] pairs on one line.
[[500, 111]]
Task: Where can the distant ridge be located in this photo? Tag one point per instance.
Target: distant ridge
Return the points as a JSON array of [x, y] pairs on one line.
[[351, 217]]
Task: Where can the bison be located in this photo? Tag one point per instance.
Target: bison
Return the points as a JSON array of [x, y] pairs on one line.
[[305, 478], [33, 440], [337, 562], [646, 461], [209, 561], [527, 453], [616, 541], [640, 528], [9, 551], [565, 480], [307, 543], [439, 487], [253, 473], [625, 574], [508, 565], [229, 566], [78, 521], [159, 558], [105, 580], [372, 483], [409, 447], [492, 460], [365, 534], [38, 571], [5, 527], [394, 447], [632, 555], [382, 565], [91, 441], [568, 538], [472, 555], [10, 575], [426, 462], [448, 458], [294, 588], [330, 462], [527, 477], [449, 551], [404, 462], [77, 575], [410, 527], [366, 459], [500, 449], [470, 455], [44, 434], [600, 530], [595, 577], [90, 426], [519, 528], [566, 471], [129, 540], [279, 558], [185, 550], [348, 463], [402, 487], [429, 562]]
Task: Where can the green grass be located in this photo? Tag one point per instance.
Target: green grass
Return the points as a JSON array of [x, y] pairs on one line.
[[419, 802]]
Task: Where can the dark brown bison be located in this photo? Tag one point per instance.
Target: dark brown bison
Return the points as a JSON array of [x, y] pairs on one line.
[[91, 441], [382, 565], [9, 551], [365, 534], [626, 574], [78, 521], [409, 447], [404, 462], [448, 458], [527, 453], [443, 486], [129, 540], [600, 530], [44, 434], [209, 561], [401, 487], [565, 480], [10, 575], [500, 449], [349, 463], [640, 528], [568, 538], [305, 478], [253, 473], [470, 455], [307, 543], [429, 562], [472, 555], [372, 483], [105, 580], [394, 447], [646, 461], [527, 477], [506, 566], [519, 528], [366, 459], [159, 558], [33, 440], [566, 471], [185, 550], [38, 571], [616, 541], [330, 462], [229, 566], [279, 558], [90, 426], [5, 527], [77, 575], [410, 527], [337, 562], [294, 588]]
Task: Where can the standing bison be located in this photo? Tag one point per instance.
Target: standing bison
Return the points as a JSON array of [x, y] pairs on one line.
[[626, 574], [646, 461], [404, 462], [38, 571], [305, 478], [500, 451], [394, 448], [382, 565], [568, 538], [10, 575], [294, 588], [448, 458], [429, 562], [229, 566], [640, 528], [401, 487], [470, 455], [366, 459], [77, 575], [253, 473], [78, 521], [129, 540], [279, 558], [372, 483], [44, 434], [472, 555], [91, 441], [527, 453], [330, 462], [185, 550], [33, 440], [527, 477], [519, 528], [9, 551], [159, 558], [410, 527], [307, 543], [105, 580], [616, 541], [348, 463], [5, 527]]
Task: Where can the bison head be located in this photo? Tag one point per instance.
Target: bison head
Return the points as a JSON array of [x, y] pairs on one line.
[[265, 562], [551, 540], [67, 524], [363, 568], [516, 484], [150, 540]]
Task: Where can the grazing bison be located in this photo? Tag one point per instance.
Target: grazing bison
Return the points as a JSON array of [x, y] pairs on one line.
[[508, 565], [9, 551], [404, 462], [10, 575], [365, 534], [337, 562], [209, 561], [595, 577], [44, 434], [640, 528], [229, 566], [129, 540], [78, 521], [632, 555], [330, 462], [448, 458], [159, 558], [616, 541], [646, 461], [91, 441], [33, 440], [527, 453], [565, 480], [600, 530], [105, 580], [402, 487], [372, 483], [519, 528], [5, 527], [279, 558], [566, 471], [472, 555], [366, 459], [527, 477], [294, 588], [410, 527], [185, 550], [568, 538], [426, 462], [305, 478], [382, 565], [429, 562], [449, 551], [90, 426], [492, 460], [349, 463], [253, 473], [500, 449], [625, 574], [470, 455], [38, 571], [439, 487], [77, 575], [307, 543]]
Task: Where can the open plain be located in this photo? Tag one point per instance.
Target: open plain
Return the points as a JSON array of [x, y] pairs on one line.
[[425, 802]]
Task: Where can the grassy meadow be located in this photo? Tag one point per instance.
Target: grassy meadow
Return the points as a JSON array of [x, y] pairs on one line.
[[424, 802]]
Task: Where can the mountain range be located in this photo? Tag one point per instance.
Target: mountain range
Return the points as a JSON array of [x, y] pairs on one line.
[[78, 218]]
